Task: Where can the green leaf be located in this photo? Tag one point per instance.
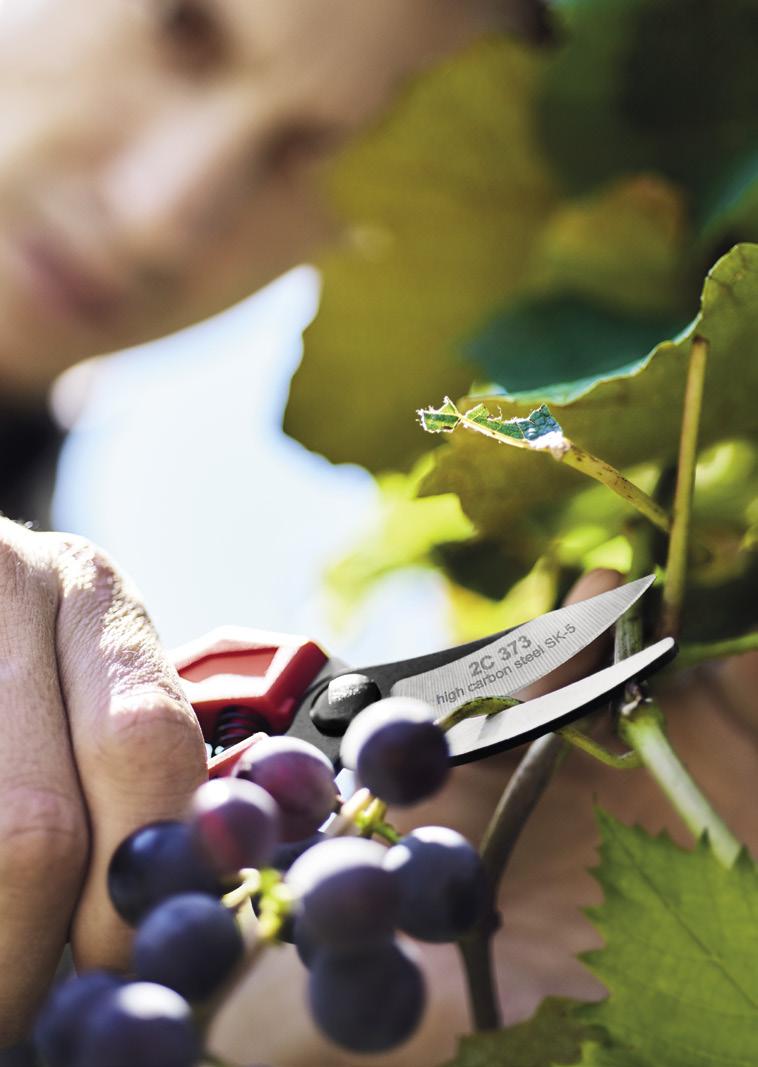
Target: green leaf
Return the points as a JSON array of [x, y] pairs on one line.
[[553, 1034], [626, 420], [679, 962], [570, 344], [539, 430], [641, 85], [594, 1055], [607, 279], [442, 203]]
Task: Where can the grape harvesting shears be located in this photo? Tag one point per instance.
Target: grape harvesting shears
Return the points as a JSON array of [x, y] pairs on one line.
[[242, 682]]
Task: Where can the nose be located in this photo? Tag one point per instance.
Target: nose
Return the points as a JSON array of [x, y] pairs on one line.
[[179, 176]]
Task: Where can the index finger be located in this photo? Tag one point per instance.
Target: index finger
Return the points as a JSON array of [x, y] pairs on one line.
[[136, 739], [43, 828]]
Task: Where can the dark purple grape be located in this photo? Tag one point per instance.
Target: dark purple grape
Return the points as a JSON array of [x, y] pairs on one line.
[[286, 854], [139, 1025], [63, 1016], [235, 824], [367, 999], [305, 943], [442, 883], [156, 862], [345, 895], [397, 751], [190, 943], [298, 776]]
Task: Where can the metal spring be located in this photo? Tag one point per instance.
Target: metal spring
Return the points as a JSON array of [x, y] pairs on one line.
[[234, 724]]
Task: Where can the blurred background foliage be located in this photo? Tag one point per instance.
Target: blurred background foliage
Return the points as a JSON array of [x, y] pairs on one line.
[[536, 223]]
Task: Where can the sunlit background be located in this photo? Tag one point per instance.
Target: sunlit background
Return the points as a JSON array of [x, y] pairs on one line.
[[177, 465]]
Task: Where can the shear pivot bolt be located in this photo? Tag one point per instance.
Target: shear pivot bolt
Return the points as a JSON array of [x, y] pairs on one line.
[[345, 697]]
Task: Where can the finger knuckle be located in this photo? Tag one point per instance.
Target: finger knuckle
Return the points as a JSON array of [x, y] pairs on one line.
[[148, 738], [84, 566], [15, 564], [41, 831]]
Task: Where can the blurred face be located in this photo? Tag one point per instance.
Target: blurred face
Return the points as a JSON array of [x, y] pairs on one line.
[[155, 155]]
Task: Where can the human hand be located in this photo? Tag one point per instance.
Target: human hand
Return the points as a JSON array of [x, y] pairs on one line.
[[98, 739]]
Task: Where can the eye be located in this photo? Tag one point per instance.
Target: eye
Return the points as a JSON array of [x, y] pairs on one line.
[[192, 30], [300, 143]]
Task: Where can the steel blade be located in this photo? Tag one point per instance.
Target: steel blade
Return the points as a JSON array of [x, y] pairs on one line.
[[475, 737], [511, 662]]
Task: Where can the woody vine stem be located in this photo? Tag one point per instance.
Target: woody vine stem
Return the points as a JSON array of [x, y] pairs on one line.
[[640, 721]]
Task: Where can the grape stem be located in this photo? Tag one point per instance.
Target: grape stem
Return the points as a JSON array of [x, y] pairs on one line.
[[626, 761], [343, 823], [594, 467], [521, 795], [472, 708], [251, 883]]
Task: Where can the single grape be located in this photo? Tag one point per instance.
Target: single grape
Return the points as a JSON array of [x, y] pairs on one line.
[[298, 776], [139, 1025], [61, 1021], [345, 895], [367, 999], [190, 943], [235, 824], [305, 943], [397, 750], [156, 862], [286, 854], [442, 883]]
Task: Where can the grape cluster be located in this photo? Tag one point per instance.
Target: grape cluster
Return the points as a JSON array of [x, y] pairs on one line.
[[261, 837]]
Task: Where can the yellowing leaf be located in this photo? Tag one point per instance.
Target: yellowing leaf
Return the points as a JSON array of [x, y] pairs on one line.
[[443, 201], [580, 248]]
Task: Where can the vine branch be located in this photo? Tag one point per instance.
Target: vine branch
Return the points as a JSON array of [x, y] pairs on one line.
[[643, 729], [676, 563], [518, 801]]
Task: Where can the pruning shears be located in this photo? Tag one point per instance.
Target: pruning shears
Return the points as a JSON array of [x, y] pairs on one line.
[[242, 682]]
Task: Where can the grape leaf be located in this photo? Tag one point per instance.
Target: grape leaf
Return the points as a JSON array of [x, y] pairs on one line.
[[443, 201], [679, 962], [571, 343], [627, 420], [553, 1033], [609, 276], [539, 430], [644, 86]]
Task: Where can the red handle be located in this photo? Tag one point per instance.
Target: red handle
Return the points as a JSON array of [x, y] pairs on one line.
[[234, 667]]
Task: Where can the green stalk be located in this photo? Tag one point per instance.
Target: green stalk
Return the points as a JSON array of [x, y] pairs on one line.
[[626, 761], [574, 456], [643, 730], [606, 474], [641, 723], [691, 655], [472, 708], [676, 563]]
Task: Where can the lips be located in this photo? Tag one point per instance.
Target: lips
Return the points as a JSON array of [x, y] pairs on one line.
[[66, 282]]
